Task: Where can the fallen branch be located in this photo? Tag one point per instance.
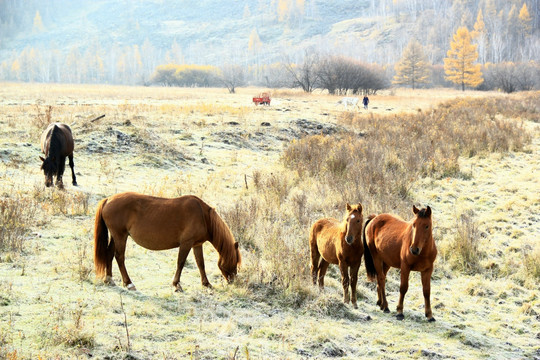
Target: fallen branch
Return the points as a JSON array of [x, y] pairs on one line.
[[99, 117]]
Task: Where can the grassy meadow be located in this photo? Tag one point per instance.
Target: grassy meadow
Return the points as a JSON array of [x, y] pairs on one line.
[[270, 172]]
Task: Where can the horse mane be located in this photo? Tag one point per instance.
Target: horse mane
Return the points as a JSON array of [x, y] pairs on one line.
[[223, 239], [343, 224]]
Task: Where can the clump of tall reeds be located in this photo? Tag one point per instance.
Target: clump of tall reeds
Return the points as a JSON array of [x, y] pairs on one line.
[[17, 216]]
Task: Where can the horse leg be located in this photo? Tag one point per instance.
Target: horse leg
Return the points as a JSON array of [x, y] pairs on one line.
[[60, 172], [381, 277], [343, 267], [426, 287], [382, 270], [110, 257], [199, 258], [405, 272], [323, 266], [71, 165], [119, 254], [183, 252], [354, 280], [315, 257]]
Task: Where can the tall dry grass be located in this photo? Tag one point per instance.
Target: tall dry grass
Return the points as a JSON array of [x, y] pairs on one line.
[[463, 251], [17, 217]]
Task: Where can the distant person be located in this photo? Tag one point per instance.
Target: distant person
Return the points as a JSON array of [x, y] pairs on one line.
[[365, 101]]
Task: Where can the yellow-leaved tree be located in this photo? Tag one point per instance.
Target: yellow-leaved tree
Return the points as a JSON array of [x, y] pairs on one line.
[[38, 23], [525, 20], [459, 65], [413, 67]]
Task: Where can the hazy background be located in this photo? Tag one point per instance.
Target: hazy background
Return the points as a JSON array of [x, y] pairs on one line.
[[122, 42]]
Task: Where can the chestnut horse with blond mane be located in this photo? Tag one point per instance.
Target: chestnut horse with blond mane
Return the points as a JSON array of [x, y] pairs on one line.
[[389, 241], [158, 223], [332, 242]]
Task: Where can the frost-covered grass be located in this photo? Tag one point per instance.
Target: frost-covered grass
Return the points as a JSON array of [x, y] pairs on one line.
[[220, 150]]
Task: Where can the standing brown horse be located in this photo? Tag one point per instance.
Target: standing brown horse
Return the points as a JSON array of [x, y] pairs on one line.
[[159, 224], [338, 243], [390, 241], [57, 144]]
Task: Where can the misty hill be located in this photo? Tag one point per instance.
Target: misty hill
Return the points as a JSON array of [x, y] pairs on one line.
[[205, 31], [121, 40]]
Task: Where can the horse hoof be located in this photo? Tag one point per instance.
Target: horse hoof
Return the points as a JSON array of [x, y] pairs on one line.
[[432, 319], [386, 310], [131, 287], [400, 316], [178, 289], [75, 184], [355, 306]]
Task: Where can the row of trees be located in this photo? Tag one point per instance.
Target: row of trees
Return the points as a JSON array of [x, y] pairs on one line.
[[336, 74], [461, 67]]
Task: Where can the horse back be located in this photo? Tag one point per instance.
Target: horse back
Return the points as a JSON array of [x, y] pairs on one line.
[[63, 135]]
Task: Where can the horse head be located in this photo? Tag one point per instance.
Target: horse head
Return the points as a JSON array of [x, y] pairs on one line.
[[353, 223], [422, 230], [229, 264], [49, 168]]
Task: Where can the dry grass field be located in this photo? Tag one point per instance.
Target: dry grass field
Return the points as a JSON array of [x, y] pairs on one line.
[[270, 172]]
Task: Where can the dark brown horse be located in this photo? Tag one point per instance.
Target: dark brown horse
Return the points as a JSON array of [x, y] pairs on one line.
[[332, 242], [389, 242], [159, 224], [57, 144]]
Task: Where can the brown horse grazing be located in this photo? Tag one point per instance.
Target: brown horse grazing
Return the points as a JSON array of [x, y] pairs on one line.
[[57, 144], [159, 224], [338, 243], [390, 241]]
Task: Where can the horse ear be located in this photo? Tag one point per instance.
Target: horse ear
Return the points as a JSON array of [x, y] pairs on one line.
[[42, 159], [428, 211], [415, 210], [349, 207], [236, 245], [360, 207]]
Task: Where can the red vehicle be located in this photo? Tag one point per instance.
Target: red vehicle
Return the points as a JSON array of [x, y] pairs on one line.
[[262, 98]]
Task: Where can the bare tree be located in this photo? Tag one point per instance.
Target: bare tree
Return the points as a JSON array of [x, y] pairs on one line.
[[510, 77], [339, 75], [304, 75], [232, 76]]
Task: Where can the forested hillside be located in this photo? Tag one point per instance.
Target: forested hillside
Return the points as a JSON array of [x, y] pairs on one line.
[[109, 41]]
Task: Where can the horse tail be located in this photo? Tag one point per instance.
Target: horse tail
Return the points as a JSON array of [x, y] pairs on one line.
[[223, 239], [101, 241], [368, 259]]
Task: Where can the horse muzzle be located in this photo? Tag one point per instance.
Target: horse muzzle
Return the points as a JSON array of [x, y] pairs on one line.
[[349, 239], [415, 250]]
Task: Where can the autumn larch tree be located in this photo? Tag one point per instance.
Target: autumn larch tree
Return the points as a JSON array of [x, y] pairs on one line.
[[459, 65], [413, 68], [479, 35]]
